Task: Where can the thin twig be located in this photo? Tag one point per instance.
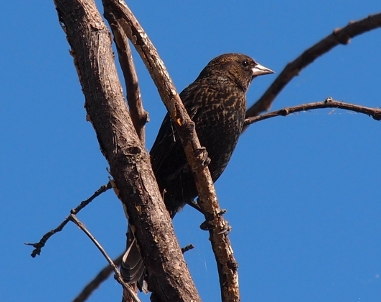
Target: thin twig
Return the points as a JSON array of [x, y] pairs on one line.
[[139, 116], [339, 36], [118, 276], [97, 280], [105, 273], [328, 103], [39, 245]]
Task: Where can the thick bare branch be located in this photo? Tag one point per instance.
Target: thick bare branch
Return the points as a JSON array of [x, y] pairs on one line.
[[129, 162], [227, 266], [328, 103], [339, 36]]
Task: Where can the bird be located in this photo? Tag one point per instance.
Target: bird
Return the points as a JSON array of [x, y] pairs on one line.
[[216, 103]]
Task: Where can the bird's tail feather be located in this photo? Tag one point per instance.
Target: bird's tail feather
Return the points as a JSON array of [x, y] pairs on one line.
[[132, 268]]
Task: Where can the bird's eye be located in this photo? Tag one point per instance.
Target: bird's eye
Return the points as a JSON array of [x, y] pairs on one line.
[[245, 63]]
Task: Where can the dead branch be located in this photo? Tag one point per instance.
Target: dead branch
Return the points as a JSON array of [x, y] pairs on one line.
[[129, 162], [39, 245], [138, 115], [327, 103], [339, 36], [118, 276], [227, 266], [105, 272], [97, 280]]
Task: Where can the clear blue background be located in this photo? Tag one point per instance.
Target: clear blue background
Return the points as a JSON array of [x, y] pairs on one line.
[[302, 192]]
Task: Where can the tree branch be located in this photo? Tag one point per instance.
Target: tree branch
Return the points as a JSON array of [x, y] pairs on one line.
[[328, 103], [39, 245], [339, 36], [105, 272], [129, 162], [227, 266], [97, 280], [118, 276], [138, 115]]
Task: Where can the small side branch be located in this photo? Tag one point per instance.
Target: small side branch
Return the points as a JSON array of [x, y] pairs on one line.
[[105, 273], [139, 116], [39, 245], [118, 276], [339, 36], [97, 280], [328, 103]]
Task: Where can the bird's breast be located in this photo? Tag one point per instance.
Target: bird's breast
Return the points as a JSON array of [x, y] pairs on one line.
[[219, 127]]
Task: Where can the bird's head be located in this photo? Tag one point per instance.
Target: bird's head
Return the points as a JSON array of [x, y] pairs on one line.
[[238, 68]]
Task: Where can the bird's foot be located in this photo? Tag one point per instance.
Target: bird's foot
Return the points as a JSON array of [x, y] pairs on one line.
[[209, 223], [202, 156]]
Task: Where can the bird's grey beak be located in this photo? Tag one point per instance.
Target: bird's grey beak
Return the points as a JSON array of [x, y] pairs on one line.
[[260, 70]]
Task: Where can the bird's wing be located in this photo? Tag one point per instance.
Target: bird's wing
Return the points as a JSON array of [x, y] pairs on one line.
[[165, 142], [167, 156]]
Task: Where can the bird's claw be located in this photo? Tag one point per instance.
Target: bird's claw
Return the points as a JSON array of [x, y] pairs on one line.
[[202, 156], [226, 229], [209, 223], [222, 212]]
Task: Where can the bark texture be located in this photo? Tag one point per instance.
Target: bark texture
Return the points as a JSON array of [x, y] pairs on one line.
[[129, 162]]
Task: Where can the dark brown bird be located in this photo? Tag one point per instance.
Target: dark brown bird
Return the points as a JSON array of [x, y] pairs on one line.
[[216, 102]]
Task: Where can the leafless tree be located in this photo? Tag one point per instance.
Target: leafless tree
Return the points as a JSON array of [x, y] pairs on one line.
[[119, 126]]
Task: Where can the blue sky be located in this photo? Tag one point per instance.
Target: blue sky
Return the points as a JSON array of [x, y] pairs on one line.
[[302, 192]]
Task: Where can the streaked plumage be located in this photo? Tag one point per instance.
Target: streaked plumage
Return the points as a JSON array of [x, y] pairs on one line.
[[216, 102]]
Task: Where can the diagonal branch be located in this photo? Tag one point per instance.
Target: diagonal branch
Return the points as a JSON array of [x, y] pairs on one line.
[[138, 115], [129, 162], [339, 36], [105, 272], [118, 276], [97, 280], [227, 266]]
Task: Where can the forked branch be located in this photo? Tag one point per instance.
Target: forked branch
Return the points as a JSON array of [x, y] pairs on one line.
[[227, 266], [129, 162]]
